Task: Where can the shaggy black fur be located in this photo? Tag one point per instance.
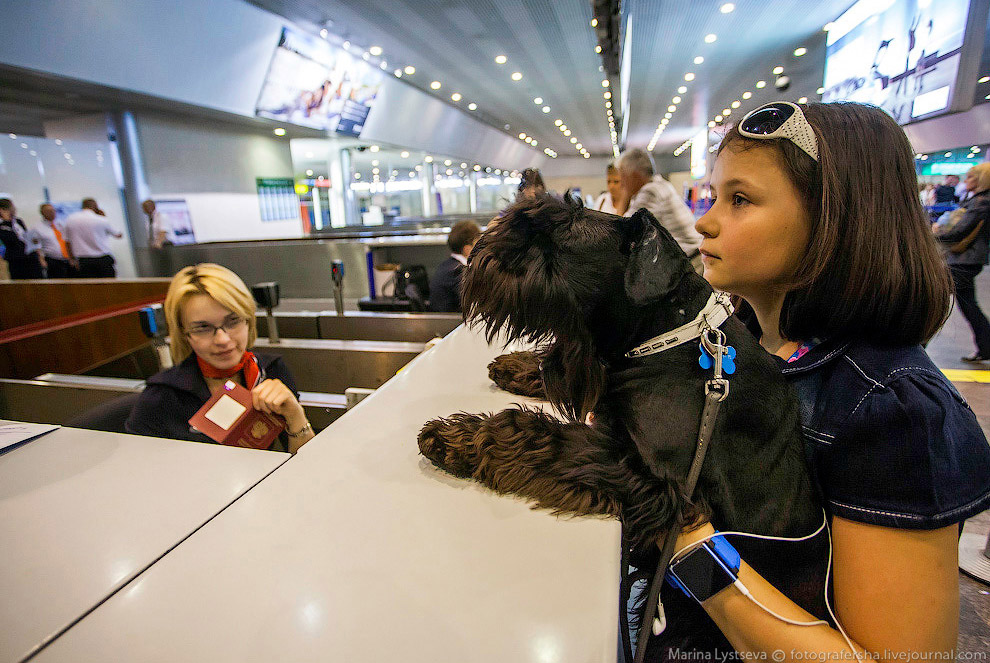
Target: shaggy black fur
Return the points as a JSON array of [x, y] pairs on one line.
[[518, 373], [588, 287]]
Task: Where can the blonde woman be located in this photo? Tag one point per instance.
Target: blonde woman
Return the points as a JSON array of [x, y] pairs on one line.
[[211, 321]]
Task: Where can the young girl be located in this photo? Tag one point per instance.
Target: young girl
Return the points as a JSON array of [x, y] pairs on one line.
[[817, 226]]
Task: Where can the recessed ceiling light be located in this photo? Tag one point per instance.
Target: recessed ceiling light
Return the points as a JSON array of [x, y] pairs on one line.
[[522, 136], [711, 124], [447, 162], [375, 50], [608, 104], [545, 109], [948, 154], [463, 164], [535, 143], [538, 101], [605, 83], [747, 95], [563, 127], [573, 139], [567, 133], [735, 104], [477, 167], [383, 65], [375, 171], [607, 95], [365, 55], [699, 60], [516, 76], [472, 106], [798, 52], [671, 108], [404, 154], [357, 176], [279, 131], [984, 79], [718, 118], [398, 73], [667, 115], [803, 100], [726, 8], [410, 70], [820, 90], [374, 162], [594, 22], [580, 147], [346, 45], [709, 38], [761, 84], [375, 148], [456, 96], [428, 159], [500, 59], [676, 100], [435, 85], [598, 49], [309, 173], [778, 70], [689, 77], [726, 111], [558, 122]]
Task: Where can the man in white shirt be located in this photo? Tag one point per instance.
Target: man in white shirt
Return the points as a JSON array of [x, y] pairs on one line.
[[51, 247], [87, 234], [160, 231], [645, 189]]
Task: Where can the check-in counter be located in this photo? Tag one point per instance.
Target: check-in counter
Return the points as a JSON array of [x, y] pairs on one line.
[[82, 513], [358, 549]]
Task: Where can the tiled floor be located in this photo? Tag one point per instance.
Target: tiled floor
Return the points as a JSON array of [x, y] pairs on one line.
[[954, 341]]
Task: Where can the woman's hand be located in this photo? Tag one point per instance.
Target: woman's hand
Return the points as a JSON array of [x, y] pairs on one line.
[[273, 397]]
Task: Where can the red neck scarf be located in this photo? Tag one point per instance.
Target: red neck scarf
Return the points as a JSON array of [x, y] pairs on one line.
[[248, 364]]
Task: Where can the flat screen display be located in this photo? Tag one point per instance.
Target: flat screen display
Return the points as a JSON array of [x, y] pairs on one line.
[[901, 55], [314, 84]]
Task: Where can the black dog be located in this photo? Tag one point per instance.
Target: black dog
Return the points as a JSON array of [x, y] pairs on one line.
[[590, 287]]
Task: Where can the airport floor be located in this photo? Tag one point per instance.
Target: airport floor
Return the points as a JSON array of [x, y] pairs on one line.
[[955, 341]]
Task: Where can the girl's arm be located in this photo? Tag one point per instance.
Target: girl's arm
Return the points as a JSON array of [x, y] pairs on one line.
[[895, 591]]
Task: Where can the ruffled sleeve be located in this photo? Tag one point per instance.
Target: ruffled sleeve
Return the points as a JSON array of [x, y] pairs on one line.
[[910, 455]]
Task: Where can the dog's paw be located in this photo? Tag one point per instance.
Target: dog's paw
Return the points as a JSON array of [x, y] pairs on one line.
[[518, 373], [448, 443]]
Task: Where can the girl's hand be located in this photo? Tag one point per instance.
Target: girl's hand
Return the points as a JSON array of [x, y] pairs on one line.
[[273, 397]]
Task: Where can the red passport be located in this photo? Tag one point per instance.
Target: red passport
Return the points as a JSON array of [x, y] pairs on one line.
[[229, 418]]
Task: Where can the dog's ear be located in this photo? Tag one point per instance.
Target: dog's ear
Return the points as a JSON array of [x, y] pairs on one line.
[[656, 262]]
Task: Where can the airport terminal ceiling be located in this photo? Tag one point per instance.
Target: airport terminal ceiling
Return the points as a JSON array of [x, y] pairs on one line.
[[552, 44]]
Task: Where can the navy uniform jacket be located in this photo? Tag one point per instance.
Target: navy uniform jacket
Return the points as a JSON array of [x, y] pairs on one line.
[[445, 287], [174, 395]]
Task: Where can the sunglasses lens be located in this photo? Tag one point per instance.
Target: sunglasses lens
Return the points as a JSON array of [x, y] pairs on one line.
[[766, 120]]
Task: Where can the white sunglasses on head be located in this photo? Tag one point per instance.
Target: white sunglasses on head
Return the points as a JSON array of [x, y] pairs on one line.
[[780, 119]]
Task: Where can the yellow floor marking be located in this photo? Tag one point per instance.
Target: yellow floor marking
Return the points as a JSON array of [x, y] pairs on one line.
[[965, 375]]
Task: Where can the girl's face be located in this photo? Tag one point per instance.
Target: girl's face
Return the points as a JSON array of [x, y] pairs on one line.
[[217, 335], [757, 231]]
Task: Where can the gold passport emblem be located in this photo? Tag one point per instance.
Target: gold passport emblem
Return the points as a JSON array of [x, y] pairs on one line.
[[259, 430]]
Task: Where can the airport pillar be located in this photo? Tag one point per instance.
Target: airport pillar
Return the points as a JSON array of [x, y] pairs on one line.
[[426, 175], [123, 134], [473, 192], [343, 211]]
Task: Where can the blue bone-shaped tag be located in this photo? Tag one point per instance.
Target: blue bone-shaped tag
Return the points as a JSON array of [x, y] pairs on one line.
[[706, 361]]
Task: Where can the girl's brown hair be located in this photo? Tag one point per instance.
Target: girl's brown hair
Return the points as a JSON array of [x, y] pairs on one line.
[[873, 269]]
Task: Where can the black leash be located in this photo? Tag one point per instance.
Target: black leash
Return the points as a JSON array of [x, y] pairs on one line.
[[716, 390]]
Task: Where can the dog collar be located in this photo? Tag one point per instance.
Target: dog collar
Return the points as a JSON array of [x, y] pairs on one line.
[[716, 311]]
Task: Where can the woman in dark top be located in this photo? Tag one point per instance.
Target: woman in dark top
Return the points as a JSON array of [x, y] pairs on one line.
[[816, 224], [21, 260], [968, 262], [211, 320]]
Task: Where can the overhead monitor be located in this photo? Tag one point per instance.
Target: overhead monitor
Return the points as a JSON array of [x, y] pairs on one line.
[[901, 55], [314, 84]]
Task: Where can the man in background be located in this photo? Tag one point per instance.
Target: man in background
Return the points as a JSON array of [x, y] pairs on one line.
[[643, 188], [52, 249], [160, 231], [946, 193], [19, 252], [87, 234], [445, 286]]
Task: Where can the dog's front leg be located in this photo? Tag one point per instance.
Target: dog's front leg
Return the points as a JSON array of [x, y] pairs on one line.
[[567, 467], [518, 373]]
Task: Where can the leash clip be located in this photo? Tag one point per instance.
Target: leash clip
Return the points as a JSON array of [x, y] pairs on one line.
[[719, 386]]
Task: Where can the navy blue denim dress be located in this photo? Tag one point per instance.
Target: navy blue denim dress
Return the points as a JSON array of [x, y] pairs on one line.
[[889, 440]]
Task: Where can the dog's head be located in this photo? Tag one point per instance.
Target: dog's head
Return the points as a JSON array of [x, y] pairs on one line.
[[546, 267], [552, 270]]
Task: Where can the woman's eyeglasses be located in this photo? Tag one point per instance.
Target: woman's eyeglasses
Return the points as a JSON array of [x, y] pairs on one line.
[[780, 119], [205, 330]]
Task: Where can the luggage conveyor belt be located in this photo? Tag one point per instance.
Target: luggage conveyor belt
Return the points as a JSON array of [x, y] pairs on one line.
[[57, 399], [359, 326]]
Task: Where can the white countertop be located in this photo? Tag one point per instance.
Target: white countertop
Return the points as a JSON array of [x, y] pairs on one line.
[[83, 512], [358, 549]]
